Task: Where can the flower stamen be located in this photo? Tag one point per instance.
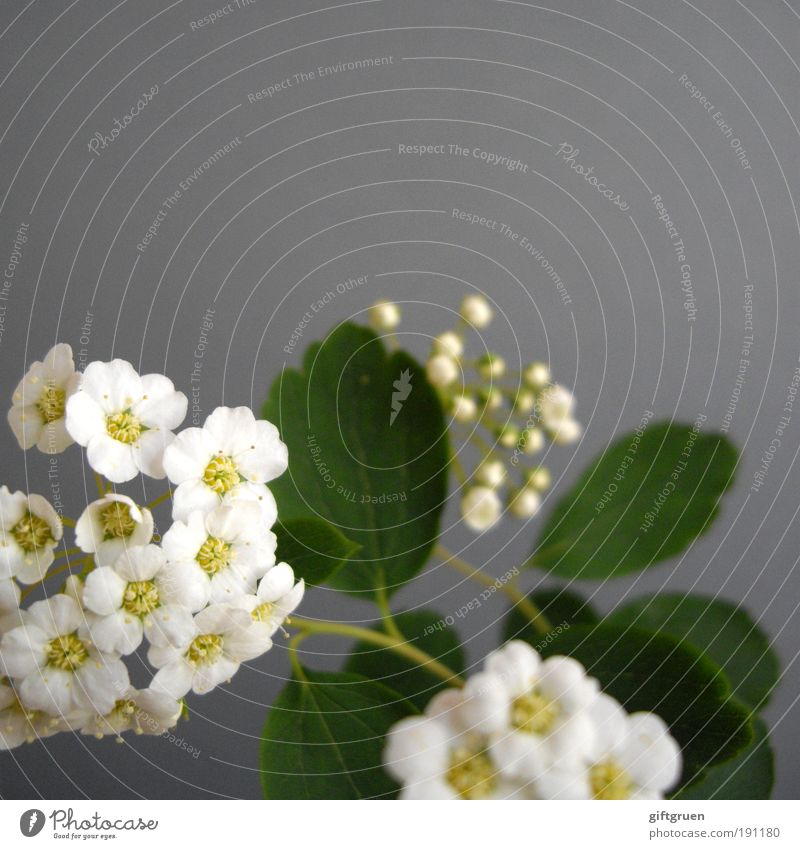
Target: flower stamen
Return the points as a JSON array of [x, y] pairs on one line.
[[471, 774], [116, 521], [533, 713], [124, 427], [140, 598], [32, 533], [609, 780], [66, 653], [221, 474], [51, 403], [205, 649], [214, 556]]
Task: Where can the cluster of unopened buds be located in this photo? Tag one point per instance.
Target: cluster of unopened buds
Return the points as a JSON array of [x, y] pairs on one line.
[[530, 729], [509, 416], [206, 597]]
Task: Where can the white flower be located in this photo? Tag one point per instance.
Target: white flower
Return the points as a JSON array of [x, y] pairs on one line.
[[492, 399], [441, 370], [491, 473], [384, 315], [556, 404], [525, 503], [229, 548], [481, 508], [124, 421], [29, 531], [56, 667], [37, 412], [110, 525], [509, 436], [534, 712], [476, 311], [140, 595], [19, 724], [524, 402], [276, 599], [223, 638], [140, 711], [464, 409], [10, 614], [634, 757], [533, 441], [565, 431], [231, 457], [438, 756], [536, 376], [449, 343], [491, 366]]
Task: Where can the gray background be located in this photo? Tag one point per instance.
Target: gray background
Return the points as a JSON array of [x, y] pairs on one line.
[[320, 194]]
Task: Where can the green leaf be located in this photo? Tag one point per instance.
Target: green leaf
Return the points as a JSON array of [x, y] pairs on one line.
[[725, 632], [362, 459], [425, 630], [645, 671], [323, 738], [313, 548], [645, 499], [563, 609], [750, 775]]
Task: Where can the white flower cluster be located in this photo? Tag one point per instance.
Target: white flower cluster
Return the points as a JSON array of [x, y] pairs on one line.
[[206, 599], [530, 729], [510, 416]]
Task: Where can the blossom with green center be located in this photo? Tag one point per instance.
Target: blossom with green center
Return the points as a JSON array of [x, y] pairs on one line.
[[214, 556], [205, 649], [29, 531], [112, 524], [608, 780], [140, 711], [124, 420], [67, 653], [141, 598], [230, 458], [471, 773], [276, 599], [39, 402]]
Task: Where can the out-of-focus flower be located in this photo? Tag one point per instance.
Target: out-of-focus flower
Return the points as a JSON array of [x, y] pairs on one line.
[[29, 531]]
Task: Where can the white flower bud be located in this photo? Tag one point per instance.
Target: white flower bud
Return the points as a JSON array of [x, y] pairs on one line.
[[442, 370], [565, 431], [509, 436], [533, 442], [481, 508], [449, 343], [491, 399], [491, 366], [384, 315], [464, 409], [491, 473], [538, 479], [556, 403], [476, 311], [525, 503], [524, 402], [536, 375]]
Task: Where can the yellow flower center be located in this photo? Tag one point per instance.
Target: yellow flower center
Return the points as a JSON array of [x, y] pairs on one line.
[[205, 649], [51, 403], [214, 556], [66, 653], [140, 598], [32, 533], [471, 774], [221, 474], [533, 713], [116, 521], [124, 708], [124, 427], [262, 612], [609, 780]]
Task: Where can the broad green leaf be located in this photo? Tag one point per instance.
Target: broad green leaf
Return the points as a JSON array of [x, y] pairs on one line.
[[563, 609], [313, 548], [368, 453], [425, 630], [324, 737], [645, 671], [643, 500], [725, 632], [749, 775]]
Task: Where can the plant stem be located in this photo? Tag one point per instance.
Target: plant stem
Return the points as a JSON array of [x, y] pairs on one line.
[[401, 647], [101, 485], [521, 601], [160, 500], [389, 624], [65, 520], [293, 644]]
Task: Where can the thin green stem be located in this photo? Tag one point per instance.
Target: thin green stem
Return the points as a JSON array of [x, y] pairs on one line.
[[520, 600], [100, 484], [65, 520], [69, 552], [401, 647], [458, 470], [382, 600], [295, 661], [165, 496]]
